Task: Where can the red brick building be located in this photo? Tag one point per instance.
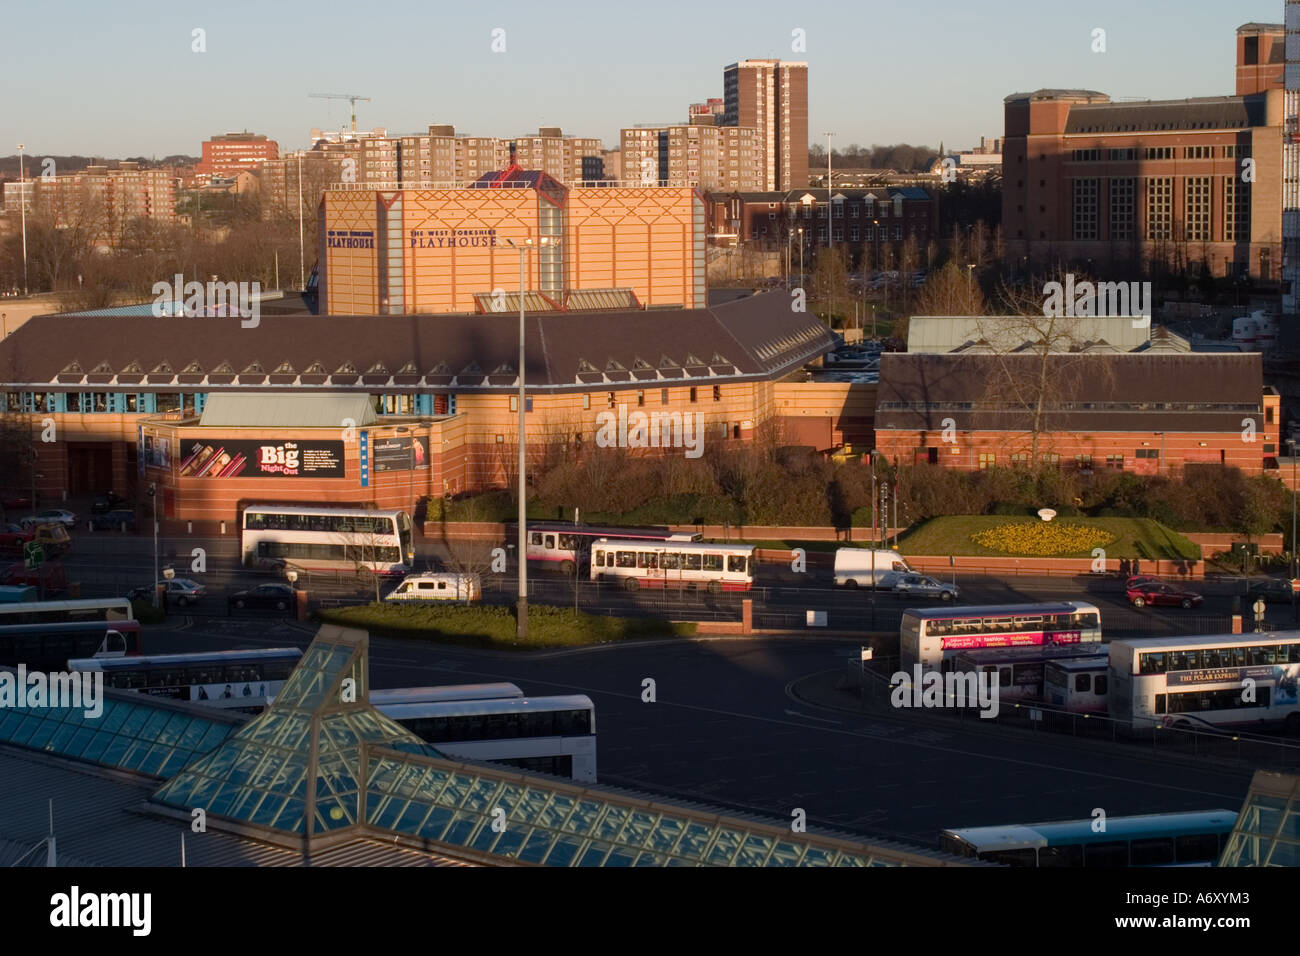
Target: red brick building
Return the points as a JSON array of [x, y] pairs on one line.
[[228, 154], [883, 217], [1140, 184], [1147, 412], [1261, 55]]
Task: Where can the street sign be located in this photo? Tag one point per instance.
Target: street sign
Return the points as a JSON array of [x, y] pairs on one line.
[[33, 555]]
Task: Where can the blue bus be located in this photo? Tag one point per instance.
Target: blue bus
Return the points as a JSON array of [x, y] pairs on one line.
[[1152, 839]]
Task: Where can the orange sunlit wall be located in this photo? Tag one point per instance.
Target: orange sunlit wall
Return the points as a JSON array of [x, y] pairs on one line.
[[649, 239], [454, 243], [349, 241]]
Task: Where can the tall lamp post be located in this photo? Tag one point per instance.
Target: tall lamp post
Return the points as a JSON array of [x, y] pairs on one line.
[[801, 257], [22, 206], [1295, 612], [830, 204], [153, 500], [521, 604]]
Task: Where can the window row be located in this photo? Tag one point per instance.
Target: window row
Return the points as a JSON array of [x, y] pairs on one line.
[[1160, 662], [671, 561]]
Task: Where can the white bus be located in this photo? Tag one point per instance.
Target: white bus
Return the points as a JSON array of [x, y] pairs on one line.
[[1021, 670], [1210, 681], [676, 564], [242, 680], [554, 735], [933, 637], [566, 546], [63, 612], [1077, 685], [443, 693], [327, 539]]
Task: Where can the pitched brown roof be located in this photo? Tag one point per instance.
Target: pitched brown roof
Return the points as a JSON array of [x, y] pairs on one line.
[[755, 337], [1123, 392]]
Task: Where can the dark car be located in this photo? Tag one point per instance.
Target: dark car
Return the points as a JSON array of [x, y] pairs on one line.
[[113, 521], [281, 597], [106, 502], [1142, 580], [1161, 593], [1270, 589]]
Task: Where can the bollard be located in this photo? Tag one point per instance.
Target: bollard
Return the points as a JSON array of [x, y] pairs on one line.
[[189, 527], [223, 527], [90, 526], [124, 527]]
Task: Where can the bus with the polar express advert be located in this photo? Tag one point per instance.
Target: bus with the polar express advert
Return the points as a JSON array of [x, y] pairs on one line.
[[933, 637], [1208, 682]]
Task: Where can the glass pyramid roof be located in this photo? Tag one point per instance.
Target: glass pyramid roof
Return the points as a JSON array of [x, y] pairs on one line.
[[1267, 831], [134, 732], [301, 757]]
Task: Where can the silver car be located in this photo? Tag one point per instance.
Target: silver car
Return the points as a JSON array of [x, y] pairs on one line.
[[184, 591], [924, 586]]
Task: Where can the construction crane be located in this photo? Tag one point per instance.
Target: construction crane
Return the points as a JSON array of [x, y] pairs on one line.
[[343, 96]]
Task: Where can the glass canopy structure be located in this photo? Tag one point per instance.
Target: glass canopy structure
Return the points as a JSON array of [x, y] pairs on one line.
[[320, 768], [1267, 832]]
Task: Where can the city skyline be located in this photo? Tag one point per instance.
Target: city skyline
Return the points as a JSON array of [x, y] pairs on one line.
[[249, 79]]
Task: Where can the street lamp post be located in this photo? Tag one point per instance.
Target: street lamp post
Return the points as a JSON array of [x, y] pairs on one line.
[[302, 255], [1295, 612], [153, 501], [801, 257], [521, 604], [830, 204], [22, 206]]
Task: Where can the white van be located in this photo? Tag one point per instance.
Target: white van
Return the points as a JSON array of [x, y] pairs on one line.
[[443, 586], [866, 567]]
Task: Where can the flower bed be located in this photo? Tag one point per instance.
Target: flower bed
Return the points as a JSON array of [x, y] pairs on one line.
[[1042, 538]]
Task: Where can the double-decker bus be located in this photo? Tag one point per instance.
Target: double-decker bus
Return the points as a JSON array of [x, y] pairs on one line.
[[933, 637], [1210, 681], [1021, 670], [444, 692], [241, 680], [674, 564], [1153, 839], [49, 647], [1077, 685], [327, 539], [554, 735], [566, 546], [60, 612]]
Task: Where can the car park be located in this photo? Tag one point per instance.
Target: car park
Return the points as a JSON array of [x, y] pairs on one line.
[[279, 597], [1163, 594]]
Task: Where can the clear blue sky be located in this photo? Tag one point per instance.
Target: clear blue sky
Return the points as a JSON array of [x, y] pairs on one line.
[[118, 79]]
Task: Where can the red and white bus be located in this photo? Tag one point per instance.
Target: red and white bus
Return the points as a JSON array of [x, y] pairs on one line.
[[674, 564], [565, 547], [933, 637]]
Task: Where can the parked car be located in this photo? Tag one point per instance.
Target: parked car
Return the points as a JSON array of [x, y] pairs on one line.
[[433, 586], [113, 520], [281, 597], [921, 585], [106, 502], [51, 516], [16, 500], [50, 578], [1161, 593], [1141, 580], [1270, 589], [182, 591]]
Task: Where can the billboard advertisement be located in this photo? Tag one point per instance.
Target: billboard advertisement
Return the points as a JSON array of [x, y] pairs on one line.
[[400, 454], [244, 458]]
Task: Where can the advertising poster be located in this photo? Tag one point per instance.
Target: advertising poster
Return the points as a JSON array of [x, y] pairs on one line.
[[241, 458], [400, 454]]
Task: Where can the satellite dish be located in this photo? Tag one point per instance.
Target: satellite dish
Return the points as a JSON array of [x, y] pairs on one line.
[[1047, 514]]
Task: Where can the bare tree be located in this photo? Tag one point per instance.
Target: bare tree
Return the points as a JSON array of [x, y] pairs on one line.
[[951, 291]]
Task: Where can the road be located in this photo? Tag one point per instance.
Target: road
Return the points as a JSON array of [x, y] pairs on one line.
[[723, 728], [111, 564]]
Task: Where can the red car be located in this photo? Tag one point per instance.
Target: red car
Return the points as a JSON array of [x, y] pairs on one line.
[[1158, 593], [1142, 581]]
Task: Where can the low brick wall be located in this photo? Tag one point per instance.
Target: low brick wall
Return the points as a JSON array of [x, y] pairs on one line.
[[1212, 542], [1052, 567], [497, 531]]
